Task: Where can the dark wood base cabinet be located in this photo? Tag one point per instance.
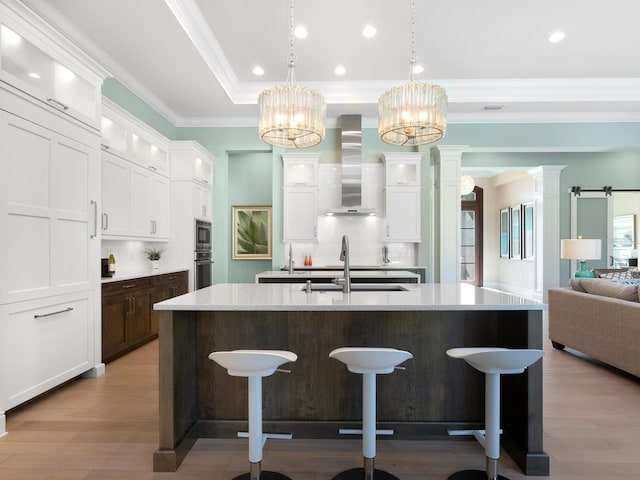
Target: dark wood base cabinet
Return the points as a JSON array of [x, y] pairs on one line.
[[128, 319]]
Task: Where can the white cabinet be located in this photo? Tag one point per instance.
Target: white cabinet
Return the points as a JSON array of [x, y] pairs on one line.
[[47, 211], [202, 201], [116, 195], [49, 248], [44, 343], [135, 183], [192, 163], [34, 64], [149, 153], [402, 214], [402, 197], [402, 168], [300, 169], [300, 215], [300, 197]]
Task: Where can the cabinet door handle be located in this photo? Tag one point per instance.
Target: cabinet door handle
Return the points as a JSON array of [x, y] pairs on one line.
[[57, 104], [388, 230], [151, 167], [131, 285], [95, 219], [68, 309], [133, 304], [105, 221], [315, 230]]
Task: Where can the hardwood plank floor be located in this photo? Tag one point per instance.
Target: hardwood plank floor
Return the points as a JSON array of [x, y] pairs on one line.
[[106, 428]]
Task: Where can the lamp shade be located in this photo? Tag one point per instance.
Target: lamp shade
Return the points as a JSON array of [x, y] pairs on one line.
[[581, 248]]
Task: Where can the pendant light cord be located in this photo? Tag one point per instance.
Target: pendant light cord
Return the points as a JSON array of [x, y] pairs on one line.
[[291, 59], [413, 56]]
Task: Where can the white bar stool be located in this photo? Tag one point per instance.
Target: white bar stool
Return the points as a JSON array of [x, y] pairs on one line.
[[369, 362], [493, 362], [255, 364]]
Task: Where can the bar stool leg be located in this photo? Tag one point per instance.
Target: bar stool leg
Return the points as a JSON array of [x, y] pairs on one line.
[[256, 436], [368, 472], [369, 423], [255, 426], [491, 436]]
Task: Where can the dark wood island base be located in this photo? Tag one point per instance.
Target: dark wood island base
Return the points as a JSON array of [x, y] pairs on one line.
[[434, 393]]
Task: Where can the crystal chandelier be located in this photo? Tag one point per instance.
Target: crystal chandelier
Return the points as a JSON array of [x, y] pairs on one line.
[[291, 116], [415, 113]]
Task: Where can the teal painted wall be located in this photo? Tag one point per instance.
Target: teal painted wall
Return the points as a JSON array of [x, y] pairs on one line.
[[619, 169], [250, 177]]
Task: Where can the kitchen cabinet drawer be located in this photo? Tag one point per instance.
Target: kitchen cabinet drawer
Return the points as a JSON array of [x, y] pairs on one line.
[[116, 288], [43, 344]]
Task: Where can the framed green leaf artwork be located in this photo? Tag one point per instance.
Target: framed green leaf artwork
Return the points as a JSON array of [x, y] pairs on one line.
[[251, 232]]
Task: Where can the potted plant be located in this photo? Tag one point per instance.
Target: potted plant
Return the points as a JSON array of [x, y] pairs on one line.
[[154, 254]]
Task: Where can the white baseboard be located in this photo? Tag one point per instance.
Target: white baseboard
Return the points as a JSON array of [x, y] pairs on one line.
[[96, 371]]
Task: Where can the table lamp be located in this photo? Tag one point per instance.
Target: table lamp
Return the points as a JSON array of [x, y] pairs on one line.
[[581, 249]]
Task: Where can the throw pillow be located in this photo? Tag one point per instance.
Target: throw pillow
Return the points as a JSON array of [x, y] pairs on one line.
[[606, 288], [617, 275]]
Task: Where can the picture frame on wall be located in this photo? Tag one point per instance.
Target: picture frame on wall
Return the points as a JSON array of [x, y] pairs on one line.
[[504, 233], [515, 239], [528, 238], [252, 232]]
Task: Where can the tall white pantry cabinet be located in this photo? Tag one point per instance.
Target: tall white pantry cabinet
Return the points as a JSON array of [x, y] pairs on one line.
[[49, 210]]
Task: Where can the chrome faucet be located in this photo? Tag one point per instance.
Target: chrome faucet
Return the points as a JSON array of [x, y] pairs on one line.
[[291, 262], [385, 255], [344, 256]]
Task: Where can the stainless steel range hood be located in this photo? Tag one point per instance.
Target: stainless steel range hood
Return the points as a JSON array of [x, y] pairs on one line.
[[351, 149]]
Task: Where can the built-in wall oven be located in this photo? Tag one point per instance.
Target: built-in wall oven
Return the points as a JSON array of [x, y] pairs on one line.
[[203, 256]]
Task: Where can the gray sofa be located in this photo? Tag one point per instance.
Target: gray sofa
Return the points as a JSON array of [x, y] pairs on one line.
[[602, 320]]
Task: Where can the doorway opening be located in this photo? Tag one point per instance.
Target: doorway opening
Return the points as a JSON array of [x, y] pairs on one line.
[[471, 235]]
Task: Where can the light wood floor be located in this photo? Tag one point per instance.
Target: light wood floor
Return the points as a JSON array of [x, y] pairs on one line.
[[106, 428]]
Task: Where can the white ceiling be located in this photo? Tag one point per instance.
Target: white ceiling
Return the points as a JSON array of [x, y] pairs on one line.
[[192, 59]]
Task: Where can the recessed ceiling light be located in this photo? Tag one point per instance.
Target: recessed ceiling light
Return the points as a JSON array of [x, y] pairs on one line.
[[340, 70], [258, 70], [300, 32], [418, 68], [556, 37], [369, 31], [34, 75]]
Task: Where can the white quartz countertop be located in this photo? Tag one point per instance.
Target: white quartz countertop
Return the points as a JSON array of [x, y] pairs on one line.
[[292, 297], [338, 273], [141, 273], [386, 266]]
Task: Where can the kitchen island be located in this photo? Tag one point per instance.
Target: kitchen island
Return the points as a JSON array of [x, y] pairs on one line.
[[434, 393]]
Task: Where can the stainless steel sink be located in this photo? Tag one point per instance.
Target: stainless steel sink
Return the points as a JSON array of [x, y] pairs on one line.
[[357, 287]]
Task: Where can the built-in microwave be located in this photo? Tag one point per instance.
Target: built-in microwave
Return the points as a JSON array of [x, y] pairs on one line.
[[203, 236]]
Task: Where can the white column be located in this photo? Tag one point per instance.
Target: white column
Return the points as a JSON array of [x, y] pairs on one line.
[[3, 424], [447, 224], [547, 226]]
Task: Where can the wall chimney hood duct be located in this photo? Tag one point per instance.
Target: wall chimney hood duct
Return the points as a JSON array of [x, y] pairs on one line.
[[351, 149]]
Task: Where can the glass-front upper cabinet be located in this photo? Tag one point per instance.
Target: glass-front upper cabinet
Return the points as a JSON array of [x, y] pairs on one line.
[[36, 72], [148, 154], [114, 135], [300, 169], [402, 168]]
